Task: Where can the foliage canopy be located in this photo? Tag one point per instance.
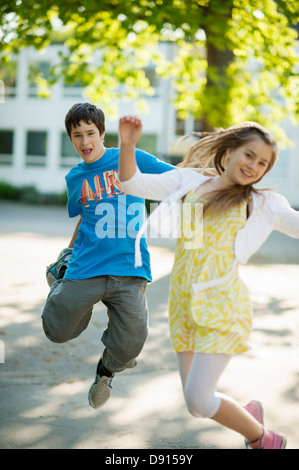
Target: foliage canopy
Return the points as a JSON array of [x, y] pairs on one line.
[[231, 60]]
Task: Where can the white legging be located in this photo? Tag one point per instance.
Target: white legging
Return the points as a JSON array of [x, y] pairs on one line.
[[200, 374]]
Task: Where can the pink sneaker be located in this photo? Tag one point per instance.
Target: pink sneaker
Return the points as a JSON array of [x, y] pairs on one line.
[[269, 440], [255, 408]]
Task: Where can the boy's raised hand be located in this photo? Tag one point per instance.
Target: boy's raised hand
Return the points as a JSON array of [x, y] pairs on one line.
[[130, 130]]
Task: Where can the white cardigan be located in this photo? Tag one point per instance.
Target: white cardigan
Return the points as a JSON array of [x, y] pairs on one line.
[[270, 211]]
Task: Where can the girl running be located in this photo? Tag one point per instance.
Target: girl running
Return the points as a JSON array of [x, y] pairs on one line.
[[210, 312]]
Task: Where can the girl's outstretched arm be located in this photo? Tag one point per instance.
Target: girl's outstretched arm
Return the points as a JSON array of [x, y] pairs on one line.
[[147, 185], [130, 130]]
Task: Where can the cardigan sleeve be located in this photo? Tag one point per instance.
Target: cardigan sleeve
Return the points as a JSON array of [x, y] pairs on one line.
[[153, 186], [286, 219]]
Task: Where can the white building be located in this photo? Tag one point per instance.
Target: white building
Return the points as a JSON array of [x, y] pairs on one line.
[[35, 149]]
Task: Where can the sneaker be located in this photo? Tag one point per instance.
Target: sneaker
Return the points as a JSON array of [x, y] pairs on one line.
[[255, 408], [269, 440], [57, 269], [100, 390]]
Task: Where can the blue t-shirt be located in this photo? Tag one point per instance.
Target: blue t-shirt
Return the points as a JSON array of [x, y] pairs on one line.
[[110, 218]]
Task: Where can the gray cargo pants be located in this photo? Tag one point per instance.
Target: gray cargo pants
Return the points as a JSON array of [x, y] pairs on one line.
[[69, 307]]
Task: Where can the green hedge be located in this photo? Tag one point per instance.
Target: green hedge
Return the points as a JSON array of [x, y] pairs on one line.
[[30, 195]]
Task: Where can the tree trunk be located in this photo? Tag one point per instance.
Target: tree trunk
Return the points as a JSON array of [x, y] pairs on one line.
[[218, 61]]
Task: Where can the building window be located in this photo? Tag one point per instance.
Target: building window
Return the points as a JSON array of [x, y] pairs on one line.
[[197, 125], [72, 90], [6, 146], [39, 70], [180, 126], [111, 140], [150, 73], [8, 75], [72, 86], [148, 143], [69, 156], [36, 148]]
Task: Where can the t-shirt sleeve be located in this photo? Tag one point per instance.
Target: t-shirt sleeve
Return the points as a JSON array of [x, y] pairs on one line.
[[73, 207], [147, 163]]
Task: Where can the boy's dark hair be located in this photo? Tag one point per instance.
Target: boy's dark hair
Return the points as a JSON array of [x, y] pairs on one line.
[[86, 112]]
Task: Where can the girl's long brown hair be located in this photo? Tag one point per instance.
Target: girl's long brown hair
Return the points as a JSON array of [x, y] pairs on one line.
[[211, 149]]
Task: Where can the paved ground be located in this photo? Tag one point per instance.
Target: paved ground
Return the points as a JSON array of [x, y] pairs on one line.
[[44, 386]]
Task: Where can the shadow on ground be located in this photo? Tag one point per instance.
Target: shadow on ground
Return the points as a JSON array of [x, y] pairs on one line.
[[44, 386]]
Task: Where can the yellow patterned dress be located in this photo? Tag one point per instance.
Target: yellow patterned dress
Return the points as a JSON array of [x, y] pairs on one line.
[[209, 306]]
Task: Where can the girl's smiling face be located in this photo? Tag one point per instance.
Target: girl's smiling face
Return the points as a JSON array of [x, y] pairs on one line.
[[248, 163], [88, 142]]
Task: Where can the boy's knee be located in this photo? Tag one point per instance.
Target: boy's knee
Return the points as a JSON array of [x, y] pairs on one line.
[[137, 342], [54, 338], [131, 349], [54, 335]]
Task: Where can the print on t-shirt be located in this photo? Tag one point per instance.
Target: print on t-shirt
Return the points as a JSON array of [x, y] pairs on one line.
[[112, 188]]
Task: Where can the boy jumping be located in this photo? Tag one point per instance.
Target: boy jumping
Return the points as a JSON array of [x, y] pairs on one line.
[[98, 265]]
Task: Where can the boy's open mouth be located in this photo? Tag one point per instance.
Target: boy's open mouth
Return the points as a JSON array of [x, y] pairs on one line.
[[87, 152]]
